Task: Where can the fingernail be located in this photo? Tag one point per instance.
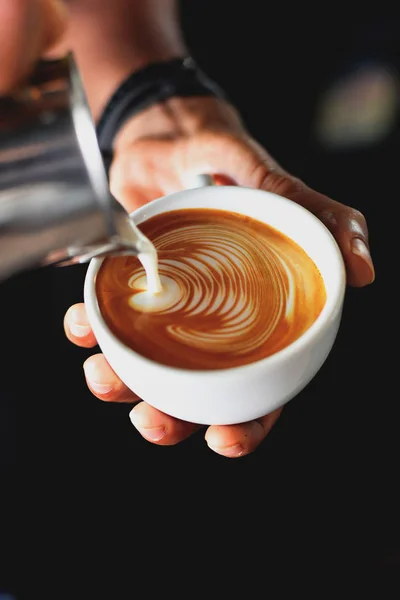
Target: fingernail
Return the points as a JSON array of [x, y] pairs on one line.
[[230, 451], [154, 434], [77, 321], [79, 331], [92, 376], [359, 248], [100, 388]]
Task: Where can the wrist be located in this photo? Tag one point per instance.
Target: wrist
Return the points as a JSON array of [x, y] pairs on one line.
[[101, 83], [155, 84], [111, 40]]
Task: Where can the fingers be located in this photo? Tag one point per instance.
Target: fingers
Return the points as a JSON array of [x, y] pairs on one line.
[[152, 424], [234, 441], [159, 428], [77, 328], [29, 27], [100, 378], [231, 441], [349, 228], [104, 383]]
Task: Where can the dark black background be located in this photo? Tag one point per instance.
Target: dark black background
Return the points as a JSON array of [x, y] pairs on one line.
[[321, 490]]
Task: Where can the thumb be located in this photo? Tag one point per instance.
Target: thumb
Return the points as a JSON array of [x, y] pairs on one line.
[[246, 163], [28, 29]]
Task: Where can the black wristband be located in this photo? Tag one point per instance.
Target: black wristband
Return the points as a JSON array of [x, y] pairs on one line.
[[155, 83]]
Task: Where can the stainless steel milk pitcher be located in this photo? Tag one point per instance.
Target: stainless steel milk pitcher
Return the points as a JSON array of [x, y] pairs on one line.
[[55, 204]]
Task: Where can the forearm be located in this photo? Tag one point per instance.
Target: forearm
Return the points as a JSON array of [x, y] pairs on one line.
[[111, 39]]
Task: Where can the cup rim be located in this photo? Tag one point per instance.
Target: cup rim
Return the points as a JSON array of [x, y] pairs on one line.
[[330, 311]]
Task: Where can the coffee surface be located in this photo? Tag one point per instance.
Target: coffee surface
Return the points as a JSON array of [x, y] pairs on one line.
[[235, 290]]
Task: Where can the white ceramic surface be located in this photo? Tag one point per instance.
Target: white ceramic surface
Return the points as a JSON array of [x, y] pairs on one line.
[[250, 391]]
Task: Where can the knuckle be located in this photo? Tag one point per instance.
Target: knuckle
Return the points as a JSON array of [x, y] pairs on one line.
[[337, 214], [356, 215], [271, 179], [327, 216], [7, 81], [217, 139]]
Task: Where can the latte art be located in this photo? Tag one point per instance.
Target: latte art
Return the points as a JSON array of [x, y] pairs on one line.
[[234, 290], [218, 279]]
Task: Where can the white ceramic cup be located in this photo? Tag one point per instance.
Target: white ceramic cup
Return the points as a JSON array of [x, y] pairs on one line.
[[247, 392]]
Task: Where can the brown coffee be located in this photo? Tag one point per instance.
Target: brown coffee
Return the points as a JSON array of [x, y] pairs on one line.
[[235, 291]]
